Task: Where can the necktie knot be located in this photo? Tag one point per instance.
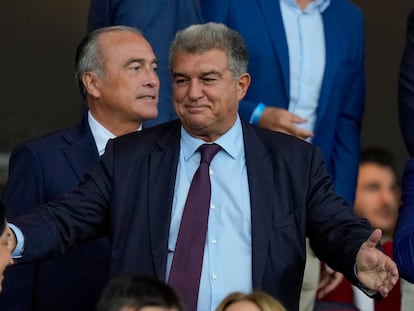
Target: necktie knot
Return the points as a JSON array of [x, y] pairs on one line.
[[208, 151]]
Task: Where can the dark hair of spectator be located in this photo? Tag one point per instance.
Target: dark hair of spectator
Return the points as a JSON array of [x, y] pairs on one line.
[[137, 292], [380, 156]]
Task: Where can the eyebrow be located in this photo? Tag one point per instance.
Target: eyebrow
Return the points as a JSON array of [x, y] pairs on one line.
[[141, 61], [211, 72]]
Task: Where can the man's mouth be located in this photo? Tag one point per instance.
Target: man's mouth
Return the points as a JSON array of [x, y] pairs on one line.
[[152, 97]]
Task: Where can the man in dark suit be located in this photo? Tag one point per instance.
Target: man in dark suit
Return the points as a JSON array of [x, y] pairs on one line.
[[115, 72], [158, 20], [268, 192], [406, 87]]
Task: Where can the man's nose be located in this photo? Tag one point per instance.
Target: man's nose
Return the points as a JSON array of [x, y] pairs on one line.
[[152, 79], [195, 90]]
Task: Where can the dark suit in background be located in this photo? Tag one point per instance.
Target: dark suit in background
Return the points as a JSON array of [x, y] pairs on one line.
[[403, 246], [406, 87], [129, 195], [158, 20], [42, 170]]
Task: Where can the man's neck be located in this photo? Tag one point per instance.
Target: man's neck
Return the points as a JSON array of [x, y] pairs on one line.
[[303, 3]]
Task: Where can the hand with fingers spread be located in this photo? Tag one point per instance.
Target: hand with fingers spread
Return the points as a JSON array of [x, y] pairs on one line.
[[375, 270], [277, 119]]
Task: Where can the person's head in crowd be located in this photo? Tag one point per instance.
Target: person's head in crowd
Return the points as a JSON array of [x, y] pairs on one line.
[[116, 74], [208, 64], [5, 254], [377, 193], [129, 293], [255, 301]]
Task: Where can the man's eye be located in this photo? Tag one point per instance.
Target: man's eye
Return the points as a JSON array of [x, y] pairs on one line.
[[180, 81], [209, 80], [134, 68], [372, 188]]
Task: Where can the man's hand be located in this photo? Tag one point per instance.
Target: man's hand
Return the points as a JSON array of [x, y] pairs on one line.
[[375, 270], [329, 279], [277, 119]]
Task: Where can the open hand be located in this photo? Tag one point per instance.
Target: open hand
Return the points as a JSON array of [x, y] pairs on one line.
[[375, 270]]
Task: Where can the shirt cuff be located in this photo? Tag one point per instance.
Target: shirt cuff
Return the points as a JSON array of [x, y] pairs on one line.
[[18, 251], [369, 292]]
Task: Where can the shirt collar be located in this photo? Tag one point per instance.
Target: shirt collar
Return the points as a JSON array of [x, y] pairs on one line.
[[319, 5], [100, 134], [231, 141]]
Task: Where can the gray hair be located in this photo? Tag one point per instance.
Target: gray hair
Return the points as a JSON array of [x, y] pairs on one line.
[[205, 37], [89, 54]]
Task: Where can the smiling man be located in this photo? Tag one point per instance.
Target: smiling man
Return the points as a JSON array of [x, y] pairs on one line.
[[268, 192], [116, 74]]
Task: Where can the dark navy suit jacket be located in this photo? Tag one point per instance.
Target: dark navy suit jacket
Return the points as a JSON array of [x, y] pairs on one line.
[[129, 195], [406, 88], [404, 232], [158, 20], [341, 101], [42, 170]]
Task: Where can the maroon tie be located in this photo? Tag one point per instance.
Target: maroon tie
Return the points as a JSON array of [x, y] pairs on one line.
[[189, 249]]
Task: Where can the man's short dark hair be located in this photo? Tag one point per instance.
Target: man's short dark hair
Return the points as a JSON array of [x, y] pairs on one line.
[[137, 292], [380, 156]]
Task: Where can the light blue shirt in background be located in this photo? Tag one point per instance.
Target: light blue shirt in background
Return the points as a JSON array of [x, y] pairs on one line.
[[227, 263], [306, 45]]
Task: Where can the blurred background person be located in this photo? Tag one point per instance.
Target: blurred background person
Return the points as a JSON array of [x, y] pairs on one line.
[[255, 301], [377, 199], [115, 71], [129, 293]]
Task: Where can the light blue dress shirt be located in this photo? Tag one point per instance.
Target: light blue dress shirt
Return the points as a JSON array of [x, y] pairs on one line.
[[227, 262], [306, 45]]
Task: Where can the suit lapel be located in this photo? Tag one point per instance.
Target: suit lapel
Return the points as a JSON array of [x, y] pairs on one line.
[[162, 173], [261, 185], [273, 17], [80, 148]]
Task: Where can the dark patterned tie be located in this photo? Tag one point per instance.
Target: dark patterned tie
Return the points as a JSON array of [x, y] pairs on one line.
[[189, 250]]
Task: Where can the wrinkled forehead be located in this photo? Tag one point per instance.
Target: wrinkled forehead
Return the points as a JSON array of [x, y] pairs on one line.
[[121, 46], [207, 57]]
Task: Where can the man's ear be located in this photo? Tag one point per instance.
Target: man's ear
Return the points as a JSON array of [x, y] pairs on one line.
[[91, 83], [242, 85]]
